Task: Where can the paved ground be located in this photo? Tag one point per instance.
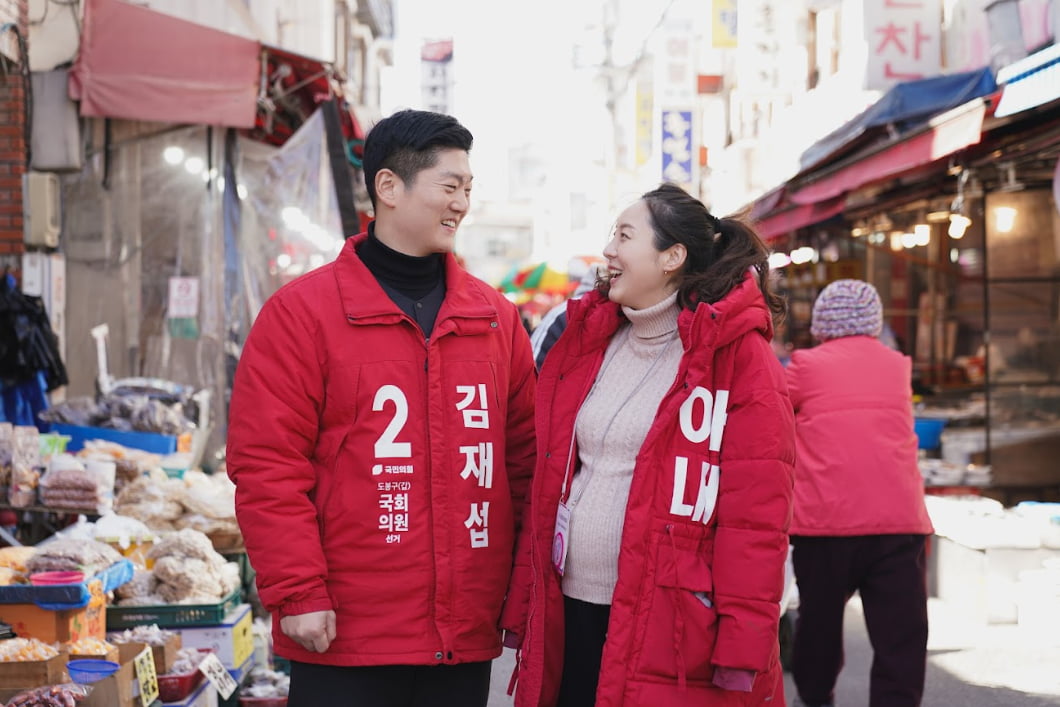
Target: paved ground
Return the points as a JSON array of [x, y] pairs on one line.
[[969, 665]]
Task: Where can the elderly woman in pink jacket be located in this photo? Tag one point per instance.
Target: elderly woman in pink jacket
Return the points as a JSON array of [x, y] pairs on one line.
[[860, 524]]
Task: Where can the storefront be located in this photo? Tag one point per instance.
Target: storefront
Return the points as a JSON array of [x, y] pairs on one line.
[[952, 214], [204, 171]]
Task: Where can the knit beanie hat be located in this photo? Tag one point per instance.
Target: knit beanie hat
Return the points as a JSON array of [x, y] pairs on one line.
[[847, 308]]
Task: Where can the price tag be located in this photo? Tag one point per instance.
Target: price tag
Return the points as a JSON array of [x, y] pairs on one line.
[[146, 678], [217, 675]]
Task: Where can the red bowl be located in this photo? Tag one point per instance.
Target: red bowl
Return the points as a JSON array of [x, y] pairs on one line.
[[46, 578]]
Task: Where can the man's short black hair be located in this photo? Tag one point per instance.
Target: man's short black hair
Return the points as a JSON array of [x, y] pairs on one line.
[[408, 142]]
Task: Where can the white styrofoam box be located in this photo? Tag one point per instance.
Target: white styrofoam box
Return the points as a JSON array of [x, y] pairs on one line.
[[231, 640], [983, 581]]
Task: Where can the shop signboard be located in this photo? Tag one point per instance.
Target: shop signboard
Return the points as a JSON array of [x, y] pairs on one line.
[[723, 24], [904, 40], [677, 147]]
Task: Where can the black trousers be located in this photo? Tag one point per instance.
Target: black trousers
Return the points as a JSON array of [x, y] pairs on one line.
[[461, 685], [585, 630], [889, 571]]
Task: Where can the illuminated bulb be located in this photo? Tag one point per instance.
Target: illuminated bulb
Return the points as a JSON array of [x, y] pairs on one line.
[[1004, 218], [958, 225], [173, 154], [921, 234]]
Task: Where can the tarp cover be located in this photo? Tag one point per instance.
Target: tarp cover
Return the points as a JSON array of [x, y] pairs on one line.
[[139, 64], [904, 106]]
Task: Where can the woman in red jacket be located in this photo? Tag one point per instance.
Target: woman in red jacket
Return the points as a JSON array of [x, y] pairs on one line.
[[650, 569]]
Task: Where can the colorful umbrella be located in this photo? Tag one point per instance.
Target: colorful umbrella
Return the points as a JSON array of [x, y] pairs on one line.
[[537, 278]]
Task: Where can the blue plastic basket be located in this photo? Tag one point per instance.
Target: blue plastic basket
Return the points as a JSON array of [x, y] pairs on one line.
[[87, 671], [928, 432]]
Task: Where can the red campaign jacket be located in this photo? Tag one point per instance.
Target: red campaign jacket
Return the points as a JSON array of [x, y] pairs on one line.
[[663, 641], [364, 457]]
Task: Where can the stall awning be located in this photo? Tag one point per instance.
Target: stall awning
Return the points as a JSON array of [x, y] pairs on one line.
[[1030, 82], [943, 135], [138, 64], [902, 109], [781, 222]]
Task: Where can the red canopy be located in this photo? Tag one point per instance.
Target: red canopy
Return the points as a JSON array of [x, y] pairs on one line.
[[944, 135], [139, 64]]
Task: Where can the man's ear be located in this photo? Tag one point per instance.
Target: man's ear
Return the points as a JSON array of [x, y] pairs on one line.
[[387, 185]]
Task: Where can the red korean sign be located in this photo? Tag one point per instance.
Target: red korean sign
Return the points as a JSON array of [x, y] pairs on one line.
[[904, 40]]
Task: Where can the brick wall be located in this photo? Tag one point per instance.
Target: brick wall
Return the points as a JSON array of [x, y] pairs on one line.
[[12, 127]]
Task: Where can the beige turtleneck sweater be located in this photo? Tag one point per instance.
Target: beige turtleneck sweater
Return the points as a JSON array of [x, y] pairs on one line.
[[639, 367]]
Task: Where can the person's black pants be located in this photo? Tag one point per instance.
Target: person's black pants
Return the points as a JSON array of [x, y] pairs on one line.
[[585, 630], [889, 571], [461, 685]]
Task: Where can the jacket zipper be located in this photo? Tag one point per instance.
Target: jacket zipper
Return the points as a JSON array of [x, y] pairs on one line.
[[432, 596]]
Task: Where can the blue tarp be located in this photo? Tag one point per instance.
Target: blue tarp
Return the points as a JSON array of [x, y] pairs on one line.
[[905, 106], [67, 596]]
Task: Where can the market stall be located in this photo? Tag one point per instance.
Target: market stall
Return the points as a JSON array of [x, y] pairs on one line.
[[146, 598]]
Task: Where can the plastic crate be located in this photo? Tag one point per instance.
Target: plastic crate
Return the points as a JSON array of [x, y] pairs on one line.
[[175, 687], [146, 441], [171, 615]]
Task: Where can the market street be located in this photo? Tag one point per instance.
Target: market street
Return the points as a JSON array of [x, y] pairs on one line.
[[995, 665]]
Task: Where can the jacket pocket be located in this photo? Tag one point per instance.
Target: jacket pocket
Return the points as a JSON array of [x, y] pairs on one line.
[[681, 623]]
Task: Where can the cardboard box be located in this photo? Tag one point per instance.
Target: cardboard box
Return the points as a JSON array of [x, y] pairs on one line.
[[205, 696], [33, 673], [113, 655], [31, 621], [232, 640], [117, 690], [165, 655]]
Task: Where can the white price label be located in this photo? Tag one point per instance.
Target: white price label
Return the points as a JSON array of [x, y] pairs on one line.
[[217, 675]]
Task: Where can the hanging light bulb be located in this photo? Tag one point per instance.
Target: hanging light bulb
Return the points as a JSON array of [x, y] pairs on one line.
[[1004, 218], [922, 234], [958, 225]]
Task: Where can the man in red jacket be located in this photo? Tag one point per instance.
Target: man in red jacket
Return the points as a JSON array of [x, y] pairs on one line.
[[381, 442]]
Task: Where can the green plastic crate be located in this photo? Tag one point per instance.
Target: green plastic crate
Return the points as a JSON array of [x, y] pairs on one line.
[[171, 615]]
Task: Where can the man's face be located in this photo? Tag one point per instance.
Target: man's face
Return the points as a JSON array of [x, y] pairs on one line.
[[428, 210]]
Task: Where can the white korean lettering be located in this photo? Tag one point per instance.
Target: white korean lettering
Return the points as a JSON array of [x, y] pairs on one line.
[[478, 523], [706, 497], [712, 422], [474, 418], [479, 462]]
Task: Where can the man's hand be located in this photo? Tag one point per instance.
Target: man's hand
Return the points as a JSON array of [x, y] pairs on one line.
[[313, 631]]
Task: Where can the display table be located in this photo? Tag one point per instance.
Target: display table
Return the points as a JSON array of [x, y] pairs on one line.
[[39, 522]]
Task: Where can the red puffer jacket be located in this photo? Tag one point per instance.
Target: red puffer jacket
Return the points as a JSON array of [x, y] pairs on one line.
[[381, 475], [701, 567]]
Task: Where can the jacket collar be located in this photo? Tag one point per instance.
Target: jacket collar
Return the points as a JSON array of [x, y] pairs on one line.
[[365, 301], [742, 310]]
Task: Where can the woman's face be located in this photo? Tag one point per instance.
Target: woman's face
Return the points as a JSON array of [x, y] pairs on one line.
[[635, 266]]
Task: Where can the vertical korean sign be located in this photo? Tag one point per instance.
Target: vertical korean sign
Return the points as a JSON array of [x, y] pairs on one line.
[[677, 147], [904, 40], [182, 310], [435, 60], [723, 24]]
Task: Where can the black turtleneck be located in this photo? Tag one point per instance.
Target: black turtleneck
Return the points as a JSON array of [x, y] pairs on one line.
[[415, 283]]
